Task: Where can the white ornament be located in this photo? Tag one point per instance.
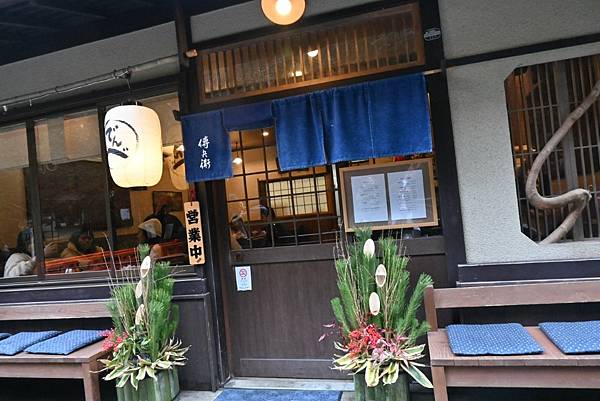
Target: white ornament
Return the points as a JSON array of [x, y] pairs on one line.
[[380, 275], [374, 304], [134, 146], [369, 248]]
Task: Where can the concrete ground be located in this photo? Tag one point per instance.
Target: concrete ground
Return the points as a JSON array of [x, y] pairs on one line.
[[345, 386]]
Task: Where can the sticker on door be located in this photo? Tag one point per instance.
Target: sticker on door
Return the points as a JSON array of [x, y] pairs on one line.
[[243, 278]]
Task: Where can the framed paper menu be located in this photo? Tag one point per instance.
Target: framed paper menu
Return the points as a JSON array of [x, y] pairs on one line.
[[391, 195]]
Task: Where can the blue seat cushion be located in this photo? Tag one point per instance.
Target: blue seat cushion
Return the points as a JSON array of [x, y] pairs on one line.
[[18, 342], [574, 337], [4, 335], [66, 343], [491, 339]]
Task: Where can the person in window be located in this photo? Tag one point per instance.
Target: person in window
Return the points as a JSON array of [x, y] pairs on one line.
[[81, 243], [172, 228], [273, 231], [150, 232], [238, 233], [20, 262]]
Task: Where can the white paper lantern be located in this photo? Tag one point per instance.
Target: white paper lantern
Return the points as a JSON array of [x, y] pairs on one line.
[[134, 146]]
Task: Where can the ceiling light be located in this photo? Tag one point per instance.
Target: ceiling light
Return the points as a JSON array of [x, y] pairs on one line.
[[283, 12], [312, 53], [265, 133], [237, 160], [283, 7]]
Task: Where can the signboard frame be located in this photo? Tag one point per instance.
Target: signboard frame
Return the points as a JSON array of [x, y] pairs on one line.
[[411, 169]]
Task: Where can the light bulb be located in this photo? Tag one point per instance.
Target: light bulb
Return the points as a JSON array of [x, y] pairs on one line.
[[237, 160], [283, 7], [265, 133], [313, 53]]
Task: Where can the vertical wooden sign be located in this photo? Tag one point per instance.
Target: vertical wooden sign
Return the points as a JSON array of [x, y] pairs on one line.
[[193, 227]]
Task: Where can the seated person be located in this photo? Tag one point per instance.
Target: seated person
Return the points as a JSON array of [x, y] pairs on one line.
[[20, 262], [150, 232], [81, 243], [238, 233]]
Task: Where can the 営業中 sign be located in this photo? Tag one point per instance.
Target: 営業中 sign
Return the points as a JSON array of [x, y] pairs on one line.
[[193, 227]]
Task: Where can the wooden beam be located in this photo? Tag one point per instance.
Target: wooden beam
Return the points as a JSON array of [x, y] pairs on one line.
[[513, 295]]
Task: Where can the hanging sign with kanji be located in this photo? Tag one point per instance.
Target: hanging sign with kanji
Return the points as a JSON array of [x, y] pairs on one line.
[[193, 226], [207, 147]]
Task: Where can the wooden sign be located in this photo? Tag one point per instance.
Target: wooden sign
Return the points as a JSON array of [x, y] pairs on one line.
[[193, 226]]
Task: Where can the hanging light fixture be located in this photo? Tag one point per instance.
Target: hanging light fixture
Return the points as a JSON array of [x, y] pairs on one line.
[[265, 133], [283, 12], [237, 160], [134, 145]]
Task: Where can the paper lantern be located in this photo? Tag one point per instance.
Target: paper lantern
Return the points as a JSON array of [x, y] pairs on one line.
[[134, 146], [175, 163], [283, 12]]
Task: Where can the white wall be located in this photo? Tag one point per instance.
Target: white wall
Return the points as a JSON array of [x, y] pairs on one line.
[[480, 120], [248, 16], [479, 26], [485, 167], [90, 60]]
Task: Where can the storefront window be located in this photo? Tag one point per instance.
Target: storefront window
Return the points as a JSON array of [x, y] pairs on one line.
[[16, 230], [71, 175], [267, 207], [154, 215]]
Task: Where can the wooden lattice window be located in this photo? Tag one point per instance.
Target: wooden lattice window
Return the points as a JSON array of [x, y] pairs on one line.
[[372, 43], [539, 98]]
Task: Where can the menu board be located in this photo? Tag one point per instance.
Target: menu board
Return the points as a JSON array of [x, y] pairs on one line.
[[407, 195], [390, 195], [370, 203]]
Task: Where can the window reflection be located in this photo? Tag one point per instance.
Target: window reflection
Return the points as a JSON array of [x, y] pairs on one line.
[[71, 175], [16, 232]]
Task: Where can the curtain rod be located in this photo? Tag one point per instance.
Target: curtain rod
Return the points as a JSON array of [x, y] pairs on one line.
[[122, 73]]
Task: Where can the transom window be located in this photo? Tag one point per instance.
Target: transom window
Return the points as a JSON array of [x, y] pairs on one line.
[[372, 43]]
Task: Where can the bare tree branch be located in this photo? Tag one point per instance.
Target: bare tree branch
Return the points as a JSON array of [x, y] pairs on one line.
[[579, 198]]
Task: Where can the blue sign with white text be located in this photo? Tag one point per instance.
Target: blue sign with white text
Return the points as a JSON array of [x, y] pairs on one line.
[[207, 147]]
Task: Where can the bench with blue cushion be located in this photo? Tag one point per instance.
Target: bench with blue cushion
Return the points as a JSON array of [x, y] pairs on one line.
[[509, 355], [79, 364]]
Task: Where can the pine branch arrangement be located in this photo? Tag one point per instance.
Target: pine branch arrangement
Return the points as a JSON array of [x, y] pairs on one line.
[[145, 320], [377, 317]]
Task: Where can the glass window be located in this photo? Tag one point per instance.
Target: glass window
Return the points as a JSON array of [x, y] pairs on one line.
[[16, 232], [154, 215], [268, 207], [71, 176]]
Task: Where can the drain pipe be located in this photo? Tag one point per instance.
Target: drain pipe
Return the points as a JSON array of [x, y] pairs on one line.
[[122, 73]]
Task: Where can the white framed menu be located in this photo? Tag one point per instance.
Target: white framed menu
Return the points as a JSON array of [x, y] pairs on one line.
[[389, 195]]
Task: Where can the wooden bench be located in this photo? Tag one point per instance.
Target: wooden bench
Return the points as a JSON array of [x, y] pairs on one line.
[[551, 369], [81, 364]]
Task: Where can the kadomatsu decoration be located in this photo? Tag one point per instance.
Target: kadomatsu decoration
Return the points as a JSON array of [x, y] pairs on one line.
[[145, 354], [377, 319]]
